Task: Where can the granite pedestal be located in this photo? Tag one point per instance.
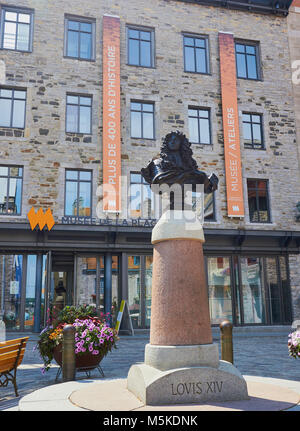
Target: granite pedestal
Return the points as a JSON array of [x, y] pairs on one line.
[[181, 362]]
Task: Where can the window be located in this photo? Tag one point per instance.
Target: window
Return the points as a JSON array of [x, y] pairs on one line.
[[79, 114], [209, 205], [16, 29], [196, 57], [11, 178], [12, 108], [199, 126], [258, 200], [140, 47], [142, 120], [252, 131], [247, 61], [78, 195], [79, 39], [141, 197]]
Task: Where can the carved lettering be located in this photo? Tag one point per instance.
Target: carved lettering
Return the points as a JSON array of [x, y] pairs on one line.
[[195, 388]]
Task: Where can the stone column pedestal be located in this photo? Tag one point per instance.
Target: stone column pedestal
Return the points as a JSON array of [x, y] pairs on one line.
[[181, 362]]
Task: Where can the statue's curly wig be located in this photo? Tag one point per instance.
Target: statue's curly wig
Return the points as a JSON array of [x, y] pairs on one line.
[[185, 152]]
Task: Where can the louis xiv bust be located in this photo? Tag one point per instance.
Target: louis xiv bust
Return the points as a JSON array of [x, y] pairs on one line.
[[175, 165]]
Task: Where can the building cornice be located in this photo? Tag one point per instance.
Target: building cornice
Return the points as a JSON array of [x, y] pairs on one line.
[[280, 7]]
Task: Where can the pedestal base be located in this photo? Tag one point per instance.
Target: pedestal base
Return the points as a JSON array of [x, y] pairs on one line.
[[187, 385], [169, 357]]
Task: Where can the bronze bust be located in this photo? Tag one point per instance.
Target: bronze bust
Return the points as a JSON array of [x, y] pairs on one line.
[[175, 165]]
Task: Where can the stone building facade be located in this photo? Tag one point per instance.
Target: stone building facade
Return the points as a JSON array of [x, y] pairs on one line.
[[294, 43], [46, 150]]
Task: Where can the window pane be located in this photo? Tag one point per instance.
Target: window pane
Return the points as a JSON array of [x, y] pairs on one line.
[[87, 101], [133, 34], [71, 198], [200, 42], [147, 125], [250, 49], [73, 25], [5, 112], [19, 114], [14, 200], [273, 289], [240, 48], [10, 16], [193, 130], [189, 59], [73, 43], [136, 129], [85, 199], [136, 106], [256, 133], [145, 54], [209, 206], [85, 119], [24, 17], [146, 204], [135, 178], [251, 64], [253, 299], [23, 37], [85, 45], [133, 52], [201, 60], [3, 171], [241, 66], [148, 107], [253, 210], [145, 35], [15, 171], [204, 131], [189, 41], [193, 113], [256, 119], [71, 175], [85, 175], [5, 93], [247, 132], [219, 288], [19, 94], [9, 40], [72, 118], [135, 199], [86, 26], [203, 113], [246, 117], [3, 194], [262, 187], [72, 99]]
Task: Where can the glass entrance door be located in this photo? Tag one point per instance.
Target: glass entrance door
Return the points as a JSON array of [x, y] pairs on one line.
[[219, 289], [91, 286], [140, 290]]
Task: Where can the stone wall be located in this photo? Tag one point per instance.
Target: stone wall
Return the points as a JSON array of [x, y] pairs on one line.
[[45, 149]]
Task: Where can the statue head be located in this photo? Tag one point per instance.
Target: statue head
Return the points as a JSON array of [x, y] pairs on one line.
[[177, 142]]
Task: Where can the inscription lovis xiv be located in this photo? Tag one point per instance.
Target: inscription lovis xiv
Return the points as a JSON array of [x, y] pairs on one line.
[[195, 388]]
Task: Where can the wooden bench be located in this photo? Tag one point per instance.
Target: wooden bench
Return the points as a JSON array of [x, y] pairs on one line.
[[11, 356]]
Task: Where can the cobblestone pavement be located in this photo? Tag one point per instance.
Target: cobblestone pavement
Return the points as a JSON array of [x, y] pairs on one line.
[[261, 353]]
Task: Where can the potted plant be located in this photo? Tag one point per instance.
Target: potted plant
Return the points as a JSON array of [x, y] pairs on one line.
[[94, 338], [294, 343]]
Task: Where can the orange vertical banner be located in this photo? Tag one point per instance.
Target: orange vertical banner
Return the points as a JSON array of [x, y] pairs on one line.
[[111, 137], [233, 166]]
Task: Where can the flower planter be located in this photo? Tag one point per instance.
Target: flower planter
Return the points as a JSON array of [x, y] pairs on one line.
[[83, 361]]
